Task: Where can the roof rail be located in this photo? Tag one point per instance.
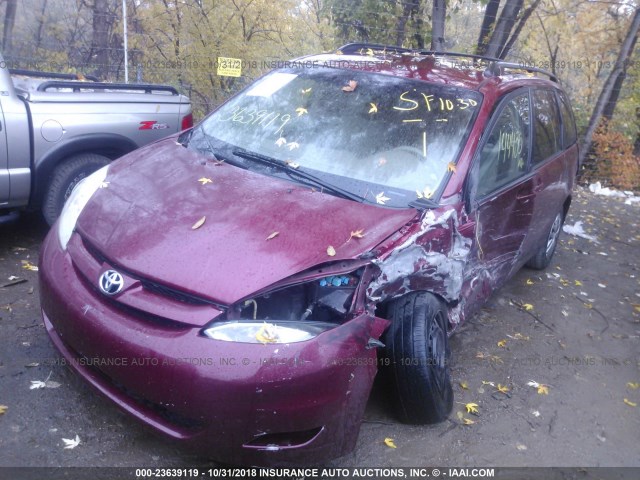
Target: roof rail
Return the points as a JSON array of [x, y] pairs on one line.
[[494, 68], [79, 86]]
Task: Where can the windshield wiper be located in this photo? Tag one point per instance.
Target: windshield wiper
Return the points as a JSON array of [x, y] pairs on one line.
[[422, 203], [290, 171]]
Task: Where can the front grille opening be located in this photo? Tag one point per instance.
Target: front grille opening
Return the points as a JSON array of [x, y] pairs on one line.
[[272, 441]]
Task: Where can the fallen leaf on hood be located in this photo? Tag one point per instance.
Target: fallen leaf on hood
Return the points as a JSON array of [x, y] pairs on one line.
[[502, 343], [293, 145], [633, 385], [485, 382], [281, 141], [374, 108], [577, 283], [356, 234], [467, 421], [71, 443], [527, 306], [304, 91], [199, 223], [464, 385], [331, 251], [425, 193], [542, 388], [12, 278], [389, 443], [502, 388], [529, 281], [630, 403], [471, 407], [381, 199], [205, 180], [301, 111], [27, 265], [3, 409], [369, 52], [350, 87], [273, 235], [451, 167], [292, 164]]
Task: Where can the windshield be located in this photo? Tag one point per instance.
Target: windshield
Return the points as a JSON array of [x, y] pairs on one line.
[[387, 139]]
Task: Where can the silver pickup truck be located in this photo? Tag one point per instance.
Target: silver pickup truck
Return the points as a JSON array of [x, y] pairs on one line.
[[55, 129]]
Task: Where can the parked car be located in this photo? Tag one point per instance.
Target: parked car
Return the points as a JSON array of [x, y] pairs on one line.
[[56, 129], [238, 286]]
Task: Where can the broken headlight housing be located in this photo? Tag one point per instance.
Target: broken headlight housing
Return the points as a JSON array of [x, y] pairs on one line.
[[292, 314]]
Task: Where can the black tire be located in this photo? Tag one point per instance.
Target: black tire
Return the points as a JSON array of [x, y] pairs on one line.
[[544, 254], [64, 179], [418, 349]]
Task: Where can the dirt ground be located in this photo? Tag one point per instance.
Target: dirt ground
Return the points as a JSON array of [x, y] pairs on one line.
[[574, 329]]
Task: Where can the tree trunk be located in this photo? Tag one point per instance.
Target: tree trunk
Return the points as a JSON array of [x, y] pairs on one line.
[[438, 16], [99, 54], [610, 106], [401, 25], [488, 23], [521, 22], [41, 24], [606, 94], [505, 24], [9, 22]]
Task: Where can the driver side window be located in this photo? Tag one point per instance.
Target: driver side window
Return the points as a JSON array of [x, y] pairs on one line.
[[505, 155]]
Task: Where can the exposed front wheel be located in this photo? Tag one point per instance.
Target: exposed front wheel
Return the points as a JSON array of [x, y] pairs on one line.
[[544, 254], [417, 346], [65, 178]]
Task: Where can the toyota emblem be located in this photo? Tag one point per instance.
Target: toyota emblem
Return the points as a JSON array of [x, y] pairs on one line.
[[111, 282]]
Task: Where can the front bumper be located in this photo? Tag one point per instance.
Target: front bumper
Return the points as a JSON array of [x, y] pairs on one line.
[[246, 404]]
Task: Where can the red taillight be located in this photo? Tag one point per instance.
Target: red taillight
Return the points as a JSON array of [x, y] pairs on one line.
[[187, 122]]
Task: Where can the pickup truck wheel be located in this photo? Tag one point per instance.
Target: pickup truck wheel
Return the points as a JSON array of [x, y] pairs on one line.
[[417, 346], [65, 178], [543, 256]]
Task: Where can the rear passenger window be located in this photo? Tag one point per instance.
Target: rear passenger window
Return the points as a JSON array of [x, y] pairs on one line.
[[546, 125], [569, 134], [504, 156]]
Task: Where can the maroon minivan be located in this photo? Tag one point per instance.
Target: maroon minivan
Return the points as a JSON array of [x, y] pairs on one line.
[[237, 286]]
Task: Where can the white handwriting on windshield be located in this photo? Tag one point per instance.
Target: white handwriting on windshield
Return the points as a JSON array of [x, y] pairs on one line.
[[412, 100], [258, 118]]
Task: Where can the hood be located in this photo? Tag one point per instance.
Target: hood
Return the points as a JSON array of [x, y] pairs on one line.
[[142, 221]]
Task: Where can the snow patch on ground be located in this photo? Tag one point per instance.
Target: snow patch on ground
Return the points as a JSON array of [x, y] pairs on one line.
[[578, 231], [598, 189]]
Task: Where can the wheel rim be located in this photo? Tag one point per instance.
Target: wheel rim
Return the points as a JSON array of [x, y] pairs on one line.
[[437, 351], [554, 234]]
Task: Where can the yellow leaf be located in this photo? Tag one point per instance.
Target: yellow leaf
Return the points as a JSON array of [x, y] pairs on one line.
[[464, 385], [273, 235], [389, 442], [502, 388], [350, 87], [451, 167], [564, 282], [633, 385], [331, 251], [356, 234], [471, 407], [374, 108], [630, 403], [301, 111], [529, 281], [543, 389], [3, 409], [369, 52], [502, 343], [468, 421], [205, 180], [527, 306], [266, 334], [27, 265], [578, 283], [199, 223], [588, 305]]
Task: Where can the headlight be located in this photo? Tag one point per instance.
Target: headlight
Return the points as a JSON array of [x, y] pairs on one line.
[[266, 332], [292, 314], [78, 199]]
